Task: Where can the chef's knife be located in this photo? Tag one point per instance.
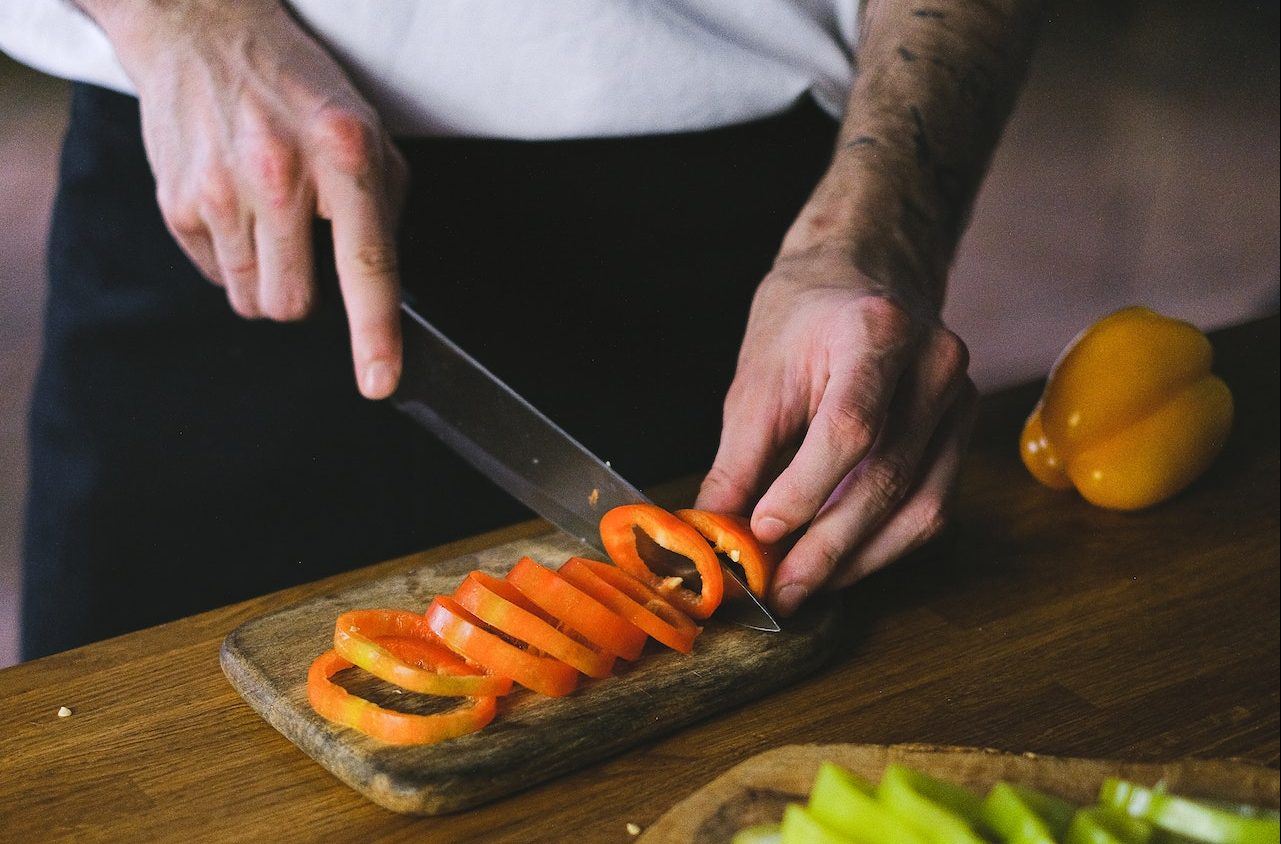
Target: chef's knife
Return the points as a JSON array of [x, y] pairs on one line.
[[505, 437]]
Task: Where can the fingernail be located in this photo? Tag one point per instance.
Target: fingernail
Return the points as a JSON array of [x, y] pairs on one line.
[[770, 529], [789, 598], [380, 380]]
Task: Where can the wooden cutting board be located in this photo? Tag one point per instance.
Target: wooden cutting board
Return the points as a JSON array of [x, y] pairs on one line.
[[756, 790], [533, 738]]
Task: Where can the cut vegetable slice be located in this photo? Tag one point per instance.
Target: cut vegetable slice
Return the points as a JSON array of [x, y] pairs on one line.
[[502, 606], [1196, 819], [732, 536], [577, 610], [1101, 825], [634, 600], [618, 532], [801, 827], [360, 638], [847, 804], [1023, 816], [761, 833], [942, 812], [336, 704], [468, 636]]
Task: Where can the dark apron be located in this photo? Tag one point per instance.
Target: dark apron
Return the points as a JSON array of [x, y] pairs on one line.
[[183, 458]]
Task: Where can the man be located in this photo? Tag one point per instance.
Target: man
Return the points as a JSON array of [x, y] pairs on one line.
[[585, 195]]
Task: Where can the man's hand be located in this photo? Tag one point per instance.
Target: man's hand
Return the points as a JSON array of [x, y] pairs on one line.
[[866, 392], [253, 131], [851, 407]]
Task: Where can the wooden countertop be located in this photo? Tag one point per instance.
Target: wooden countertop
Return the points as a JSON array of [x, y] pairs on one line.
[[1040, 624]]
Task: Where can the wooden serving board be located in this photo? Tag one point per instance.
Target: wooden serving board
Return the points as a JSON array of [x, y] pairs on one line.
[[756, 790], [533, 738]]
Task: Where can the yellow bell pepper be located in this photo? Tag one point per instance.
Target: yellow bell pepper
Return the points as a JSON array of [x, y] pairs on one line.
[[1131, 413]]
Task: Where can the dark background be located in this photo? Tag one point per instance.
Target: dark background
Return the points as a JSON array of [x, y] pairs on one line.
[[1141, 166]]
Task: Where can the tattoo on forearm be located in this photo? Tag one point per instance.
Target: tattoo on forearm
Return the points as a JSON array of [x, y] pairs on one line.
[[861, 141], [933, 91], [919, 140]]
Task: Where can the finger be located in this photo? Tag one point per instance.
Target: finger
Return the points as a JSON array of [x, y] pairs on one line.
[[924, 513], [233, 247], [188, 230], [748, 439], [283, 208], [285, 267], [352, 191], [231, 235], [199, 249], [846, 422], [866, 496]]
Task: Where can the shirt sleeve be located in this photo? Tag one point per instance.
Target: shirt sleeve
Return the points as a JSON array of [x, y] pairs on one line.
[[55, 37]]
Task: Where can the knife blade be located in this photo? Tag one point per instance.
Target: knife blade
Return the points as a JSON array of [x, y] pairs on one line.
[[512, 443]]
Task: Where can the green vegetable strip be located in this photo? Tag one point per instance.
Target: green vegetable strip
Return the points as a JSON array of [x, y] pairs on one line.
[[1101, 825], [942, 812], [1191, 818], [1009, 814], [847, 804]]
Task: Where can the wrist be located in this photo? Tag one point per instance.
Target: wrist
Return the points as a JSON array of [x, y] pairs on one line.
[[863, 213], [139, 29]]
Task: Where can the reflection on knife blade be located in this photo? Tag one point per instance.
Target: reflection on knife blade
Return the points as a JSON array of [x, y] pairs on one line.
[[509, 441]]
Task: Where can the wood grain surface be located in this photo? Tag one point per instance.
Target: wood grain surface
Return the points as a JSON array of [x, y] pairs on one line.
[[1038, 624], [534, 737], [756, 790]]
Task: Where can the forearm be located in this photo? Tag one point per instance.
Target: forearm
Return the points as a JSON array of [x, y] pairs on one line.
[[935, 85]]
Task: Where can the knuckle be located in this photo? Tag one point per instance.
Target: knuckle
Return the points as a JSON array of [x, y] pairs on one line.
[[952, 353], [244, 271], [885, 481], [929, 519], [351, 142], [886, 323], [850, 427], [287, 306], [182, 216], [273, 166], [376, 259], [826, 552], [217, 196], [721, 480]]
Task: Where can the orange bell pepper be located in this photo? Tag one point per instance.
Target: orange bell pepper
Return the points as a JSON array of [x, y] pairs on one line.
[[336, 704], [634, 600], [473, 639], [618, 530], [577, 611], [506, 609], [361, 636], [732, 536], [1131, 413]]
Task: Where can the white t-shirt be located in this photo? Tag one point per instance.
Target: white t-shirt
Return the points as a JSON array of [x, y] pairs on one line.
[[535, 69]]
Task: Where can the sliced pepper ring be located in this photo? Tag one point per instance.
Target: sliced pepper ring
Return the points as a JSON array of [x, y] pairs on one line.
[[505, 608], [470, 637], [634, 600], [334, 703], [618, 532], [439, 671], [732, 536], [577, 610]]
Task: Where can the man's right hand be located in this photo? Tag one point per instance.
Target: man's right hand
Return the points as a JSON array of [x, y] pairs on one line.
[[252, 131]]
